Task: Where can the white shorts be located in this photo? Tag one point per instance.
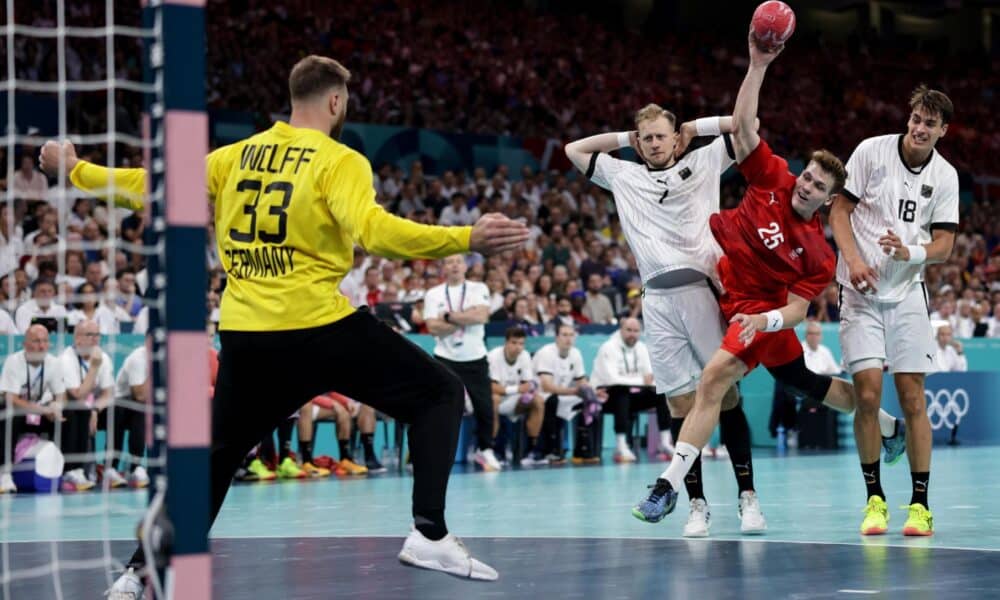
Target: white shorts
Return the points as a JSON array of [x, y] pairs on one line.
[[684, 329], [566, 403], [899, 332]]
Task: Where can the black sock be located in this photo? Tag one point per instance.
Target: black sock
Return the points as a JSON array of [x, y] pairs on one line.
[[692, 481], [550, 425], [532, 444], [285, 438], [920, 481], [368, 442], [345, 450], [431, 524], [306, 450], [873, 479], [736, 436]]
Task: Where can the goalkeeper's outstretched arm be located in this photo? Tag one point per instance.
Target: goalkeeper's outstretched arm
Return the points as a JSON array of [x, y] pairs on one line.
[[125, 187]]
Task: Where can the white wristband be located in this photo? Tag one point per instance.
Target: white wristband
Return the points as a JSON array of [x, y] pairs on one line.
[[624, 140], [774, 320], [918, 254], [708, 126], [510, 390]]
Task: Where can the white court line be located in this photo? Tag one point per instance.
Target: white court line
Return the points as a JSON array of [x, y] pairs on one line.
[[857, 591], [400, 536]]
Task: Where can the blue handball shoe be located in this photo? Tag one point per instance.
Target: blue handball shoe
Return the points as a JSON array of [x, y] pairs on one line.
[[895, 446], [658, 504]]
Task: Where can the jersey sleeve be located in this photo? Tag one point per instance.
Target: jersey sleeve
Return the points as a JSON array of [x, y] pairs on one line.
[[431, 302], [762, 168], [135, 370], [217, 167], [350, 195], [106, 376], [603, 169], [126, 187], [493, 360], [720, 154], [543, 363], [944, 214], [9, 381], [857, 173], [479, 297]]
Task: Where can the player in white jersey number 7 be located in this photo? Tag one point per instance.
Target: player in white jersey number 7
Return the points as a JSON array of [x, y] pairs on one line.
[[664, 205], [898, 211]]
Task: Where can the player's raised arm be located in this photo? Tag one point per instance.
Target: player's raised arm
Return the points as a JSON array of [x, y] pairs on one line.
[[580, 151], [745, 137], [127, 185]]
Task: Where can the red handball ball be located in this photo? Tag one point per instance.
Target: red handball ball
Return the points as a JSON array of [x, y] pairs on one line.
[[772, 24]]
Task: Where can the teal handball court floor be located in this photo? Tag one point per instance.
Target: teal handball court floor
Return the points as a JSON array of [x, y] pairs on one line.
[[555, 532]]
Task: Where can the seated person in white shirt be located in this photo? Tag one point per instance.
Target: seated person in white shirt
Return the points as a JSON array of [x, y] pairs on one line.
[[31, 381], [562, 379], [130, 396], [950, 354], [819, 360], [623, 374], [89, 380], [41, 306], [515, 392]]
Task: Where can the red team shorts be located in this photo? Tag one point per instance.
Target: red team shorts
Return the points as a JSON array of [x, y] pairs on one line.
[[770, 349]]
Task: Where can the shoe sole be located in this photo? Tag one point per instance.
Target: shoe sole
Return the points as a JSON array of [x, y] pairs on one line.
[[753, 531], [411, 561], [698, 534], [876, 531], [638, 515], [914, 532]]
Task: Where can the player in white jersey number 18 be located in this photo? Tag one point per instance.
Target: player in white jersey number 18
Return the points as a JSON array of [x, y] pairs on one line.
[[898, 211]]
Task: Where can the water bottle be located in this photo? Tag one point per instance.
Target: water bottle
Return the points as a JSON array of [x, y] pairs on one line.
[[782, 440]]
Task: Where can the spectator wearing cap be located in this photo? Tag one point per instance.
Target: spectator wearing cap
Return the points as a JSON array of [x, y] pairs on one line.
[[633, 305]]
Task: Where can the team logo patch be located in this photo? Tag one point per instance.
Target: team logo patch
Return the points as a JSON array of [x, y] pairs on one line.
[[685, 173], [926, 191]]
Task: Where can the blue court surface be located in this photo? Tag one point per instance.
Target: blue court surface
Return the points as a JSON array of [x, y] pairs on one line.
[[556, 532]]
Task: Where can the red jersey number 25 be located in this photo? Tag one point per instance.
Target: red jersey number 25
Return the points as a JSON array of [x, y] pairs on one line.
[[771, 235]]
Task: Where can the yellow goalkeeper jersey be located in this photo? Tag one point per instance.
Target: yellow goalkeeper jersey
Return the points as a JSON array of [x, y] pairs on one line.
[[290, 203]]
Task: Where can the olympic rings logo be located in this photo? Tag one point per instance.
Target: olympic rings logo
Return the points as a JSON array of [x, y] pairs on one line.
[[946, 407]]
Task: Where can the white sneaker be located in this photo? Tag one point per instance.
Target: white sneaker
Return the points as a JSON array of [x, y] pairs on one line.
[[625, 455], [76, 481], [7, 484], [487, 460], [139, 478], [448, 555], [792, 438], [699, 519], [534, 459], [127, 587], [115, 479], [707, 452], [751, 518], [721, 453]]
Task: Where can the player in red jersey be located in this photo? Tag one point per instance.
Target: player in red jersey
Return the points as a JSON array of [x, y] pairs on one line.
[[776, 259]]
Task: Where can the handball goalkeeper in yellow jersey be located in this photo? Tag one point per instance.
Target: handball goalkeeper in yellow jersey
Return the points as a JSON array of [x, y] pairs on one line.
[[290, 203]]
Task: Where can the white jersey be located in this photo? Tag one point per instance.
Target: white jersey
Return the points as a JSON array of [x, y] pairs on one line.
[[565, 370], [820, 360], [467, 343], [664, 212], [890, 195], [37, 384], [132, 373], [505, 373], [75, 368], [618, 364]]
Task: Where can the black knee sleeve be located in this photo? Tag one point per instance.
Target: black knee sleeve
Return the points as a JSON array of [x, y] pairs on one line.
[[798, 379]]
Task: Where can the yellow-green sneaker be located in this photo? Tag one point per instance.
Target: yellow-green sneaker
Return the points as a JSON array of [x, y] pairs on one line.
[[876, 517], [920, 522], [288, 469], [260, 470]]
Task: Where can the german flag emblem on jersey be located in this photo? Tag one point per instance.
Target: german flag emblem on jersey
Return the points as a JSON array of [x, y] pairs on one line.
[[926, 191]]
